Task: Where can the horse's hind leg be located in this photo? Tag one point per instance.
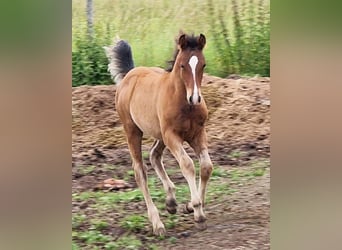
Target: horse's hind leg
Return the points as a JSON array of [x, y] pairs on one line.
[[134, 137], [156, 161]]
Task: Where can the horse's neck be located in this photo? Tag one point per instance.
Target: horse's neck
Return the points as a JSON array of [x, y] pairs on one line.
[[178, 85]]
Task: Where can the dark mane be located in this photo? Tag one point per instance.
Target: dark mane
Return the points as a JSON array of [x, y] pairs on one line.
[[171, 63], [192, 44]]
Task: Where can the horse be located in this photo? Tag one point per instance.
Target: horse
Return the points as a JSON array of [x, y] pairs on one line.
[[167, 105]]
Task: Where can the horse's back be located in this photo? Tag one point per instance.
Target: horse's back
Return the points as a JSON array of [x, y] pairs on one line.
[[145, 72]]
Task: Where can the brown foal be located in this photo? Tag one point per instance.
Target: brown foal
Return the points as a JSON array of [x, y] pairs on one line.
[[168, 106]]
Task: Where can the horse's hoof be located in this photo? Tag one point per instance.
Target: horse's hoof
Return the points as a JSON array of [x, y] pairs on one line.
[[171, 210], [160, 231], [171, 206], [187, 209], [201, 225]]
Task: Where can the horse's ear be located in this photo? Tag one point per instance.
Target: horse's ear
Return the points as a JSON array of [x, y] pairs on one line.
[[182, 43], [201, 41]]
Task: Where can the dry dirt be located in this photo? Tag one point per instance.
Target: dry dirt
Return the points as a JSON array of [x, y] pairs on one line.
[[239, 121]]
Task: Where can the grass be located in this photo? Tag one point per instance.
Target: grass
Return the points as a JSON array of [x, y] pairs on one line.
[[122, 196], [87, 170], [236, 154], [218, 173], [125, 242], [97, 224], [78, 220], [92, 227], [172, 240], [237, 34], [129, 174], [92, 237], [104, 198], [171, 221], [145, 155], [109, 167], [256, 169], [134, 223]]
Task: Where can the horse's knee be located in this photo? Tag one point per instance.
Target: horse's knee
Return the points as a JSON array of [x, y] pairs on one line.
[[188, 166], [140, 174], [206, 170]]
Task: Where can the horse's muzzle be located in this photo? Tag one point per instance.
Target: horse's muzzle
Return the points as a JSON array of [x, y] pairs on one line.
[[195, 101]]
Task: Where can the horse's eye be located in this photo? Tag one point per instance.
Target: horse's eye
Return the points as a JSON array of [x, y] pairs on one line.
[[182, 66], [204, 65]]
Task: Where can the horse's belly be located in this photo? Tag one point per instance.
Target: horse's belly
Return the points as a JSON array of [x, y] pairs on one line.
[[148, 123]]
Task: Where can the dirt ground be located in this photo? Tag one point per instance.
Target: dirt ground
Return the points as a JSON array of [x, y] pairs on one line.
[[238, 134]]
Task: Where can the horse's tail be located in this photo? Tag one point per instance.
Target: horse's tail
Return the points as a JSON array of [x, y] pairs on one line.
[[120, 60]]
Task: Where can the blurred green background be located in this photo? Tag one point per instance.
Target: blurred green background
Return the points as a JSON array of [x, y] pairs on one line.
[[237, 32]]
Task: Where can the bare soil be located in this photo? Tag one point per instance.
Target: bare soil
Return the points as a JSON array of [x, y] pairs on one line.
[[239, 121]]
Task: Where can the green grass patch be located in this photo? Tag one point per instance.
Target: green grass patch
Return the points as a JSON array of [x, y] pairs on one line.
[[104, 198], [153, 247], [236, 154], [218, 172], [182, 193], [121, 196], [145, 155], [93, 237], [218, 190], [256, 169], [87, 170], [78, 220], [129, 175], [74, 246], [171, 171], [109, 167], [171, 221], [172, 240], [258, 172], [97, 224], [124, 242], [134, 222]]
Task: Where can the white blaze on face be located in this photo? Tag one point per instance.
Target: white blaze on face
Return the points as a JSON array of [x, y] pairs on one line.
[[193, 63]]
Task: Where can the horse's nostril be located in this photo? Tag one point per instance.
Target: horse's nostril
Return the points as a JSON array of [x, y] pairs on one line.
[[199, 98], [190, 99]]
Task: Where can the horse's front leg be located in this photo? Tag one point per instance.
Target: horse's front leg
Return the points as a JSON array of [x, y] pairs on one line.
[[175, 145], [206, 169], [199, 144]]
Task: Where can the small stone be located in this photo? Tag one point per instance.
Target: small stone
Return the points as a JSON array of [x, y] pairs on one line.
[[184, 234]]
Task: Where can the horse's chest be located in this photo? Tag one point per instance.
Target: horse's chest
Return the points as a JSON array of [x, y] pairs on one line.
[[190, 122]]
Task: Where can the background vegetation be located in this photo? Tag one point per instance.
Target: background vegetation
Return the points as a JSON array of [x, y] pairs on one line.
[[238, 34]]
